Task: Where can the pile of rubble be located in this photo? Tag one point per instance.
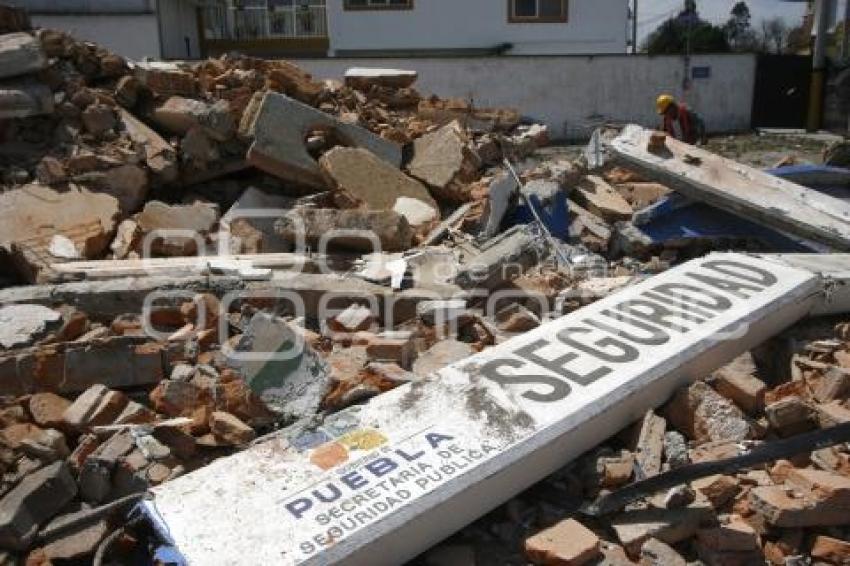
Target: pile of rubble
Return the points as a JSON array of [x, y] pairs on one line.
[[791, 511], [90, 139], [212, 196]]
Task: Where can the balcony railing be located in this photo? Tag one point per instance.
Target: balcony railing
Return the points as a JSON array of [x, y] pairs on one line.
[[265, 19]]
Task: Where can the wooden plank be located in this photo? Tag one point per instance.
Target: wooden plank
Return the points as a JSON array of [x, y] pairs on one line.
[[763, 198]]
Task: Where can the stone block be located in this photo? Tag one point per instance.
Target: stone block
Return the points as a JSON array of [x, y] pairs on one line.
[[282, 125]]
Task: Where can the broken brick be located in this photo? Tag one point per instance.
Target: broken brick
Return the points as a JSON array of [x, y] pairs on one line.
[[230, 429], [568, 543]]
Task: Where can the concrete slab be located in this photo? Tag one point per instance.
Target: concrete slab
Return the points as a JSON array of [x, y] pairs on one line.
[[24, 98], [20, 54], [280, 128], [726, 184], [379, 483]]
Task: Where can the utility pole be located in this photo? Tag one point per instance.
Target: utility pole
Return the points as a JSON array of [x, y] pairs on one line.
[[818, 65], [845, 35], [635, 26]]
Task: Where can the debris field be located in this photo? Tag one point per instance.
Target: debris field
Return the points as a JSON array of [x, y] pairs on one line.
[[161, 222]]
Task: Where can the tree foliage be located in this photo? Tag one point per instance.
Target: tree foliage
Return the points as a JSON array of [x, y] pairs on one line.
[[739, 30], [774, 35], [687, 33]]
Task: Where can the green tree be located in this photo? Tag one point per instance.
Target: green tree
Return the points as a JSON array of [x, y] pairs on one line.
[[687, 33], [774, 35], [738, 28]]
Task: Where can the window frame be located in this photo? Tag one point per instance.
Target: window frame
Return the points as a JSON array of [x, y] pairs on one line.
[[562, 19], [346, 5]]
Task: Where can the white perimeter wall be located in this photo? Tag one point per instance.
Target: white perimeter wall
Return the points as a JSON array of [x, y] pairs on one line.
[[130, 35], [593, 26], [573, 94]]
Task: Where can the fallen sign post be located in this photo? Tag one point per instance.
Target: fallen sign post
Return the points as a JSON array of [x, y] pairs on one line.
[[381, 482], [704, 176]]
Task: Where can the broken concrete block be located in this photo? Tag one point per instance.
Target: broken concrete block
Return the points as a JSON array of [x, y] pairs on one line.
[[166, 78], [351, 229], [359, 179], [705, 415], [790, 416], [47, 409], [126, 236], [501, 259], [745, 389], [280, 367], [230, 429], [809, 498], [353, 319], [396, 347], [22, 325], [179, 115], [244, 225], [20, 54], [420, 215], [196, 220], [633, 528], [23, 98], [159, 156], [717, 489], [96, 406], [72, 367], [602, 199], [39, 496], [516, 318], [733, 542], [363, 78], [282, 124], [833, 384], [500, 197], [650, 444], [33, 214], [445, 161], [568, 543], [610, 469], [588, 229], [440, 355], [128, 183]]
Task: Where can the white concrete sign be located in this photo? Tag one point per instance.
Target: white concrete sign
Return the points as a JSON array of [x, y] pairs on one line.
[[379, 483]]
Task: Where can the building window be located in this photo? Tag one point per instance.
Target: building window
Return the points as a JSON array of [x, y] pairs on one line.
[[537, 11], [378, 4], [264, 19]]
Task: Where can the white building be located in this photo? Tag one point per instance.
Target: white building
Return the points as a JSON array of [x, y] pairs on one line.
[[188, 29], [132, 28]]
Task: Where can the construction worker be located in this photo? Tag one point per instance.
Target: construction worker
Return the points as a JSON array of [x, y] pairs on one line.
[[680, 121]]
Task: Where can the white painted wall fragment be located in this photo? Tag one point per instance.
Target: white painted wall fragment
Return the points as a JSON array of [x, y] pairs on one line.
[[743, 190], [379, 483]]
